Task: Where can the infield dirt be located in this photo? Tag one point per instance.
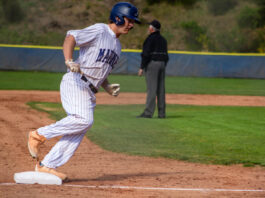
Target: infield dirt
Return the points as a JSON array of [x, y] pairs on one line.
[[93, 166]]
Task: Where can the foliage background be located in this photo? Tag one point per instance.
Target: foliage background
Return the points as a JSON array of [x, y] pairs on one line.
[[190, 25]]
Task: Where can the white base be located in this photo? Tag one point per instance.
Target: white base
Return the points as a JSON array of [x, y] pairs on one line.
[[31, 177]]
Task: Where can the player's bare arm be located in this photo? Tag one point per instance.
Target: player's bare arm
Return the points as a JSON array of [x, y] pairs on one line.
[[68, 49]]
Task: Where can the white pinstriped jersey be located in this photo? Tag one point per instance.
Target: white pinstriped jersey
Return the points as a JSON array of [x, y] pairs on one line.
[[99, 51]]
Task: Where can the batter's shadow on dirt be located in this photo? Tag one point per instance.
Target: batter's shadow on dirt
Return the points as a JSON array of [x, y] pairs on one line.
[[116, 177]]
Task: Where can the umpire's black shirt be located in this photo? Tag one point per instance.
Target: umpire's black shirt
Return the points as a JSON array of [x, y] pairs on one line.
[[154, 48]]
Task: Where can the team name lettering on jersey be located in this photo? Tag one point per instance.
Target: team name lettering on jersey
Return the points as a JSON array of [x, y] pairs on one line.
[[107, 56]]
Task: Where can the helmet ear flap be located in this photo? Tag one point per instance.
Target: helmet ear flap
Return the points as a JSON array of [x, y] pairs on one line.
[[117, 19], [120, 20]]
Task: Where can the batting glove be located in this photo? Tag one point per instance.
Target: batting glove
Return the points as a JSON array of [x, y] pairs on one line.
[[74, 67], [113, 89]]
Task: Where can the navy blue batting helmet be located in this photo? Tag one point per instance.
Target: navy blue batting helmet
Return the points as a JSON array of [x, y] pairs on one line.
[[124, 9]]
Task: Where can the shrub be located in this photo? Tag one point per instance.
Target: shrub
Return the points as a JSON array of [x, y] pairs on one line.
[[146, 10], [237, 41], [12, 10], [195, 38], [261, 10], [151, 2], [261, 40], [248, 18], [183, 2], [88, 5], [220, 7], [187, 2]]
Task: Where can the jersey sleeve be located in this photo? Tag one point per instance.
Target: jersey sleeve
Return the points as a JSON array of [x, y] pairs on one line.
[[87, 35]]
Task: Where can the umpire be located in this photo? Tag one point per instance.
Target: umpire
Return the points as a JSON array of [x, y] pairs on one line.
[[154, 61]]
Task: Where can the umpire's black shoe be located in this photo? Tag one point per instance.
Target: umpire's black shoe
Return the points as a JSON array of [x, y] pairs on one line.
[[144, 116], [162, 117]]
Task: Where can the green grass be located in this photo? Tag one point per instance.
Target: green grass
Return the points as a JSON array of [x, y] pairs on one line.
[[129, 83], [189, 85], [23, 80], [55, 110], [204, 134]]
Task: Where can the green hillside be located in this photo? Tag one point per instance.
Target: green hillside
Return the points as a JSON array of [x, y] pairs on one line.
[[189, 25]]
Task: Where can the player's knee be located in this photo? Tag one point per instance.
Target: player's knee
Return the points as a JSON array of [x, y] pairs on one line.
[[85, 124], [88, 123]]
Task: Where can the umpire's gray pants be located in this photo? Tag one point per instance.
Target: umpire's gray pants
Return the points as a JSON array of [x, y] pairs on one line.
[[155, 82]]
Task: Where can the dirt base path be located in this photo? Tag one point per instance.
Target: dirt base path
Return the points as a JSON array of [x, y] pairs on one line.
[[94, 172]]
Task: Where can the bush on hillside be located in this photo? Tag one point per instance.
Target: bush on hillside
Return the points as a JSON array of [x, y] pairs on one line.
[[248, 18], [12, 10], [151, 2], [261, 40], [220, 7], [195, 37], [187, 2], [261, 10], [237, 40], [183, 2]]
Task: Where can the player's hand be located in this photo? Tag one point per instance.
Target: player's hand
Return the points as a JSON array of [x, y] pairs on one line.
[[113, 89], [74, 67]]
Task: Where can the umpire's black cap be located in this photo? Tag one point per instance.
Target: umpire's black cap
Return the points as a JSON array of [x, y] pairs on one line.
[[156, 24]]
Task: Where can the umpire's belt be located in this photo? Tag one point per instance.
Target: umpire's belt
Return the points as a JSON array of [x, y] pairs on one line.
[[91, 86]]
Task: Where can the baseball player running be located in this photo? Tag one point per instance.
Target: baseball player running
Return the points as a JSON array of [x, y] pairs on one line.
[[100, 50]]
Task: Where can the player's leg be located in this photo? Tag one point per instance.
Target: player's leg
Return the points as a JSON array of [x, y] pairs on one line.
[[74, 129], [79, 102], [63, 150], [72, 124]]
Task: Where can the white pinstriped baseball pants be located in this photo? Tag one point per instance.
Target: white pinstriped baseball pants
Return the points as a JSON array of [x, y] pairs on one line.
[[79, 102]]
